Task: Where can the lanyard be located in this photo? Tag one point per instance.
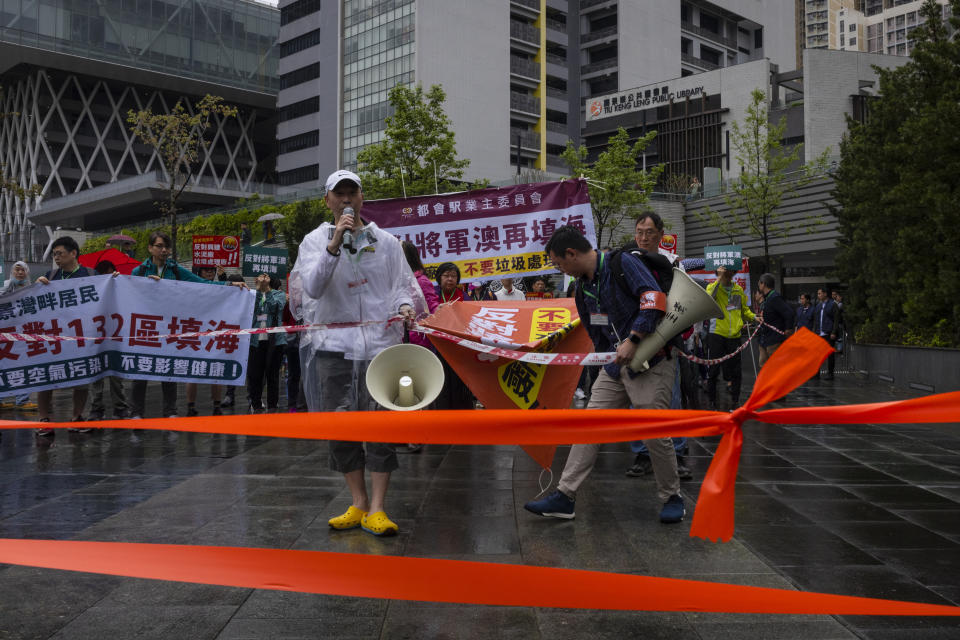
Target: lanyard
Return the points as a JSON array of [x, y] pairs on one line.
[[63, 277], [596, 280], [444, 297]]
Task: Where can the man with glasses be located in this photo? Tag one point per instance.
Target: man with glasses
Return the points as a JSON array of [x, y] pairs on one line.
[[648, 232], [65, 253], [160, 266]]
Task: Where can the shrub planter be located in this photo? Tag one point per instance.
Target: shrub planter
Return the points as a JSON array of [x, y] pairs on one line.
[[917, 368]]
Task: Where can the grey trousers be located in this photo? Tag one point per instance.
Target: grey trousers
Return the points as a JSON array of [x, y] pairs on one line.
[[649, 390]]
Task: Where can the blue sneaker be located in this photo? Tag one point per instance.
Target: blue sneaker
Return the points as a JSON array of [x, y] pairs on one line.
[[673, 510], [555, 505]]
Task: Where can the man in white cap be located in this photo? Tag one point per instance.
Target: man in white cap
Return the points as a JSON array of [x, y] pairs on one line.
[[352, 272]]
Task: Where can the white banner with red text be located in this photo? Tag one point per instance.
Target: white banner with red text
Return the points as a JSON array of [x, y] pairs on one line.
[[141, 311]]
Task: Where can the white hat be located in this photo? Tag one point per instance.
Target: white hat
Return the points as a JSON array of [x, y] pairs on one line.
[[337, 177]]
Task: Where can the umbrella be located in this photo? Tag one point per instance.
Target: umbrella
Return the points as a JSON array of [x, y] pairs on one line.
[[121, 261], [120, 238], [270, 216]]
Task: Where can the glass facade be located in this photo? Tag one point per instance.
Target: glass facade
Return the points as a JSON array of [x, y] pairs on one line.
[[378, 40], [229, 42]]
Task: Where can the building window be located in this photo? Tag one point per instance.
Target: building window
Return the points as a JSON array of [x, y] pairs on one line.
[[300, 141], [299, 175], [298, 10], [299, 76], [853, 42], [299, 109], [709, 22], [758, 39], [300, 43]]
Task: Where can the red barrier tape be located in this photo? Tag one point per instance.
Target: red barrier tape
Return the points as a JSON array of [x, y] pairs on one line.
[[426, 579], [432, 580]]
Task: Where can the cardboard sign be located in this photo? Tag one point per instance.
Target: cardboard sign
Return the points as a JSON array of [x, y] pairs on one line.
[[728, 255], [272, 261]]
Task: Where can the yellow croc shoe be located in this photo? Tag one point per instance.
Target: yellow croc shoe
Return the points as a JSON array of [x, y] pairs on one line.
[[379, 524], [349, 520]]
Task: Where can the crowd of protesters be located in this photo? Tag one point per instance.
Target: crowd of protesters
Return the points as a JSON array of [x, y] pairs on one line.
[[332, 364]]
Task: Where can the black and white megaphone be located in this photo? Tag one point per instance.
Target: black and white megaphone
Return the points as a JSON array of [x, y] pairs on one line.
[[405, 377], [687, 304]]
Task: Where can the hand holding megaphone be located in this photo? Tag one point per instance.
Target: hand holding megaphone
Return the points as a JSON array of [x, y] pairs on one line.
[[687, 304]]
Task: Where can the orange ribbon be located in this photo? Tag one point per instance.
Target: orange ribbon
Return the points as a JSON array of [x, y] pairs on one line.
[[485, 583], [433, 580], [797, 359]]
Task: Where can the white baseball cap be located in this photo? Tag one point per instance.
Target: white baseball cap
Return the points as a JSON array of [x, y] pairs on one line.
[[337, 177]]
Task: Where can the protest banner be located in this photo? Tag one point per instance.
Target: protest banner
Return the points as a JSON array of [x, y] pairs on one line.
[[727, 255], [741, 277], [501, 383], [216, 251], [273, 261], [137, 309], [488, 233]]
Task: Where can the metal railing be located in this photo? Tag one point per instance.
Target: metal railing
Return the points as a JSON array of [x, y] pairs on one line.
[[698, 62], [555, 59], [586, 4], [708, 35], [556, 93], [556, 25], [609, 63], [560, 127], [598, 34], [528, 139], [524, 31], [525, 67], [522, 102]]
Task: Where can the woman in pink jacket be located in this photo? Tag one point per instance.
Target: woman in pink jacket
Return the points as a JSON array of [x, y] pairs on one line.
[[416, 265]]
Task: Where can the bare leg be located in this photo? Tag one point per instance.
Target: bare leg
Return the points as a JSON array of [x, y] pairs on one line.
[[358, 489], [380, 480]]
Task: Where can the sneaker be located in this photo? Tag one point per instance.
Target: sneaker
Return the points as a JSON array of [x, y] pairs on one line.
[[45, 432], [227, 402], [96, 416], [136, 417], [579, 394], [79, 429], [192, 411], [409, 448], [8, 404], [555, 505], [174, 415], [378, 524], [683, 471], [641, 466], [673, 510]]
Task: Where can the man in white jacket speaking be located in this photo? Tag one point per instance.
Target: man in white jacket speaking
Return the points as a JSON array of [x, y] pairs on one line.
[[352, 272]]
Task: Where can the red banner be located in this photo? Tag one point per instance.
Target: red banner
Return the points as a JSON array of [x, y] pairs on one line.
[[216, 251]]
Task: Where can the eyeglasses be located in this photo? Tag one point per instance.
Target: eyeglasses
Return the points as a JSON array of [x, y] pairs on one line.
[[647, 233], [161, 247]]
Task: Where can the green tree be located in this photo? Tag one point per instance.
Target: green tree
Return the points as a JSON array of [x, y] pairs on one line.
[[178, 138], [898, 190], [766, 178], [618, 189], [418, 153], [300, 218]]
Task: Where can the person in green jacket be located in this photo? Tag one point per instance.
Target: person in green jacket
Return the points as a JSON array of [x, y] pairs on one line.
[[160, 266], [266, 349], [724, 335]]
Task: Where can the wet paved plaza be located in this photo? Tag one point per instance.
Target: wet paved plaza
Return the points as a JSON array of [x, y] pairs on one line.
[[867, 510]]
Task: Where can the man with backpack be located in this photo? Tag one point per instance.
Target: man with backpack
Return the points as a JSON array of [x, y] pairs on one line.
[[620, 302]]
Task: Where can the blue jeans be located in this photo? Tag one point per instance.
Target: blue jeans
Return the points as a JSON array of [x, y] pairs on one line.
[[679, 444]]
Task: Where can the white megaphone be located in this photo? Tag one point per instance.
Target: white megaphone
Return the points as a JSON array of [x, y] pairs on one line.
[[687, 304], [405, 377]]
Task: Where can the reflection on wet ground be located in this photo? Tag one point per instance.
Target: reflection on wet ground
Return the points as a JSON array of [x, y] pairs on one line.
[[852, 509]]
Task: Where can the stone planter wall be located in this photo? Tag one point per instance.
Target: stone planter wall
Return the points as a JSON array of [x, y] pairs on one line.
[[917, 368]]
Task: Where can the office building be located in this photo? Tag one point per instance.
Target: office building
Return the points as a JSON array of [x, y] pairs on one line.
[[71, 70], [873, 26], [512, 106]]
